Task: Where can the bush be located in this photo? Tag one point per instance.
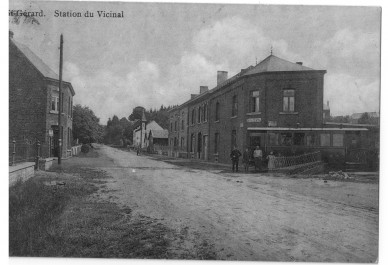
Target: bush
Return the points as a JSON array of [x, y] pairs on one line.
[[85, 148]]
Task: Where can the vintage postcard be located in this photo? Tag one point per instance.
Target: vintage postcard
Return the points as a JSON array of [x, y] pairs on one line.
[[194, 131]]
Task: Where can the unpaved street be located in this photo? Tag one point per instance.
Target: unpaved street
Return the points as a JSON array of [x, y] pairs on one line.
[[248, 216]]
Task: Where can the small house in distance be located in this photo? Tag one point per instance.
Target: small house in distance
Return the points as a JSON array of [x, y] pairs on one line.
[[157, 139], [142, 131]]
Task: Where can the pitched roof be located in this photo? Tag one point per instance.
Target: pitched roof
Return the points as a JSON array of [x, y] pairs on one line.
[[36, 61], [276, 64], [159, 133], [269, 64], [41, 66]]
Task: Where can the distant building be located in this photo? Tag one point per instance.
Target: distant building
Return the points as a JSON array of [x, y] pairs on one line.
[[34, 101], [157, 138], [142, 131]]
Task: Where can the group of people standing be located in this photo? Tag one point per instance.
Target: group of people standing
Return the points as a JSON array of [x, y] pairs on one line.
[[247, 158]]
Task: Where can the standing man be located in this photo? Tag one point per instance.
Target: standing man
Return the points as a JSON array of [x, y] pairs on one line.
[[235, 156], [257, 156], [246, 159]]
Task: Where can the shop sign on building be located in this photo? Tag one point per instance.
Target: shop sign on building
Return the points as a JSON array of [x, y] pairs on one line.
[[254, 120]]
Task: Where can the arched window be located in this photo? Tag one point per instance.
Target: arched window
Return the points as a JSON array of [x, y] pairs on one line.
[[234, 106], [199, 114], [205, 112], [217, 111], [193, 116]]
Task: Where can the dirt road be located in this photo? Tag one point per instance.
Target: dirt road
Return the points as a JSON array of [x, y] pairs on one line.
[[248, 217]]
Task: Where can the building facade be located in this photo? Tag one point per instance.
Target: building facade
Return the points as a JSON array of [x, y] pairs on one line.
[[276, 104], [34, 102]]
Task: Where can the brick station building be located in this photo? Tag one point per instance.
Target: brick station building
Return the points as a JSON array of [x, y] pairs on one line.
[[34, 101], [275, 104]]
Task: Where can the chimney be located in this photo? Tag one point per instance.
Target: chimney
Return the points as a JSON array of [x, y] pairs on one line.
[[193, 95], [10, 34], [222, 76], [300, 63], [203, 89]]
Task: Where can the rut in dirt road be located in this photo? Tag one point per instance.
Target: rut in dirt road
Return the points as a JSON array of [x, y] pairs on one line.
[[244, 220]]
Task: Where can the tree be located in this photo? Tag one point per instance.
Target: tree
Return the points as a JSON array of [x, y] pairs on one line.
[[368, 119], [86, 127], [136, 113]]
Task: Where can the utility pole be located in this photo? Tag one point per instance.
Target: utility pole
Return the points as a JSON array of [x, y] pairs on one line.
[[60, 102]]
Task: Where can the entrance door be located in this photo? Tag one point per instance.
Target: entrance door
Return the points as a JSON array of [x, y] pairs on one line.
[[257, 139], [205, 147], [55, 141], [199, 146]]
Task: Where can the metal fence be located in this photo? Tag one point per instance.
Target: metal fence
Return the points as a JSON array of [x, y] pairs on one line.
[[289, 161], [26, 151]]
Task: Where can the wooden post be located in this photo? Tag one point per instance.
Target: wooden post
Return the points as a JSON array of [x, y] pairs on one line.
[[14, 151], [60, 102], [37, 155]]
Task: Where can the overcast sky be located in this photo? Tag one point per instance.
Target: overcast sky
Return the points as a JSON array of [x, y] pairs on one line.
[[161, 53]]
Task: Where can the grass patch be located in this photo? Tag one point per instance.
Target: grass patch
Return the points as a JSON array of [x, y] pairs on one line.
[[50, 220]]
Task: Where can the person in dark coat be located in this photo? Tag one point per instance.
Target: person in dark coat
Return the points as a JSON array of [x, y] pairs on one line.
[[235, 156]]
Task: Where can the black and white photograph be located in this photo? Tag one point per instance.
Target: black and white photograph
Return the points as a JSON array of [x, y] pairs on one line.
[[194, 131]]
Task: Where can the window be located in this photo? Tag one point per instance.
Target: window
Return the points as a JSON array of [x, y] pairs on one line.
[[234, 106], [216, 142], [192, 143], [273, 138], [288, 100], [199, 115], [338, 139], [193, 116], [71, 108], [55, 103], [176, 125], [182, 124], [182, 141], [68, 107], [325, 139], [298, 138], [217, 111], [286, 138], [234, 138], [205, 112], [171, 142], [311, 140], [255, 101], [171, 126]]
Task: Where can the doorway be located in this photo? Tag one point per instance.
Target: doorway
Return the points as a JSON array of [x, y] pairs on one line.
[[205, 147], [199, 145], [54, 141]]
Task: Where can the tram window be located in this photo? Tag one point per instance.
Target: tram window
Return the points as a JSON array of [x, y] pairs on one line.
[[325, 139], [273, 138], [299, 139], [286, 138], [311, 140], [338, 139]]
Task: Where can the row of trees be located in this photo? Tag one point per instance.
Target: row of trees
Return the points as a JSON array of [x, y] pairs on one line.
[[120, 131], [86, 126], [364, 119]]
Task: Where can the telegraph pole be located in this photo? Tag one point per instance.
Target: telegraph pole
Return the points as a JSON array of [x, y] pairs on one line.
[[60, 102]]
